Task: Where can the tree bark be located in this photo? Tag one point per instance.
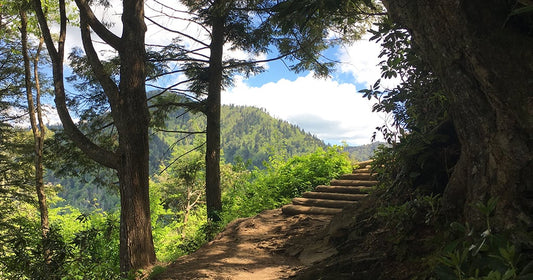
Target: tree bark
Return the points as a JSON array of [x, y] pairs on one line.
[[131, 117], [484, 59], [130, 114], [212, 157], [37, 126]]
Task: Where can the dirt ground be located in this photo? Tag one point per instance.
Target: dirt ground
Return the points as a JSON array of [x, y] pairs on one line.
[[270, 245]]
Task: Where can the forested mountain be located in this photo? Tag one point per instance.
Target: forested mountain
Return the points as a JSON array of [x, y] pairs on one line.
[[252, 135], [363, 152], [249, 136]]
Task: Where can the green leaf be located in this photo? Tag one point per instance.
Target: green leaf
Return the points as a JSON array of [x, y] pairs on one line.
[[509, 274], [458, 227], [522, 10]]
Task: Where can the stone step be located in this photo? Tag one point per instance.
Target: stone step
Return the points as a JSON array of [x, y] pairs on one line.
[[292, 209], [337, 182], [328, 203], [358, 176], [363, 164], [330, 200], [334, 196], [343, 189], [362, 170]]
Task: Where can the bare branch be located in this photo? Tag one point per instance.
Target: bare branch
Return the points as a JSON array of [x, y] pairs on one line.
[[181, 60], [236, 65], [93, 151], [190, 15], [177, 32], [85, 11], [191, 105], [109, 86], [180, 131], [177, 158], [155, 77]]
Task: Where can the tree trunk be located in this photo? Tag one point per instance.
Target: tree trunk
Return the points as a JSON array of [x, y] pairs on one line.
[[132, 118], [188, 207], [484, 58], [130, 114], [37, 126], [212, 157]]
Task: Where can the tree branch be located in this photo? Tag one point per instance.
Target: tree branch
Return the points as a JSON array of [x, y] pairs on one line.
[[155, 77], [177, 158], [180, 131], [85, 11], [177, 32], [190, 14], [236, 65], [189, 105], [109, 86], [93, 151]]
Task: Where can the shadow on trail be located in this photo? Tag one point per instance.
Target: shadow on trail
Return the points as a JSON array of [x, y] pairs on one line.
[[262, 247]]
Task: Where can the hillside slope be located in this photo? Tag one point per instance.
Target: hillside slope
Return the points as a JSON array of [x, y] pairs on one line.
[[248, 134]]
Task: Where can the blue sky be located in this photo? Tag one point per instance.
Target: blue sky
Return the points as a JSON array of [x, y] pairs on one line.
[[330, 108]]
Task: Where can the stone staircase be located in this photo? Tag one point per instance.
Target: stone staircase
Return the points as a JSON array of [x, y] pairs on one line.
[[330, 200]]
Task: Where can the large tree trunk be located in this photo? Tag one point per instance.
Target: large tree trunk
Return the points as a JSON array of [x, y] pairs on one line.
[[132, 118], [130, 113], [485, 60], [212, 157]]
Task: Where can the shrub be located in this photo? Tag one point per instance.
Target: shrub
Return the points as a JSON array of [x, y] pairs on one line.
[[284, 179]]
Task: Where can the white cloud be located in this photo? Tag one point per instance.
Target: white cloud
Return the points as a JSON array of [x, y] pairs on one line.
[[50, 116], [333, 112], [361, 60]]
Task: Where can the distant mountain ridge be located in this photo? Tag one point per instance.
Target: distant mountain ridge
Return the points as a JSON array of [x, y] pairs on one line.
[[248, 135], [362, 152], [251, 135]]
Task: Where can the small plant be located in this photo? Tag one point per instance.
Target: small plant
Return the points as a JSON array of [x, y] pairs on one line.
[[156, 271], [283, 179], [406, 215], [484, 255]]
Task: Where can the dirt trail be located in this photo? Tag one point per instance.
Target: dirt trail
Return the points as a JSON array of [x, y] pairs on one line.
[[270, 245]]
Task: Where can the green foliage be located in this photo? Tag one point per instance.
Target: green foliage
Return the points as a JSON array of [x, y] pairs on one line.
[[16, 167], [294, 30], [303, 25], [486, 255], [423, 143], [177, 203], [11, 74], [172, 237], [81, 246], [93, 243], [23, 253], [284, 179], [406, 216], [417, 103]]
